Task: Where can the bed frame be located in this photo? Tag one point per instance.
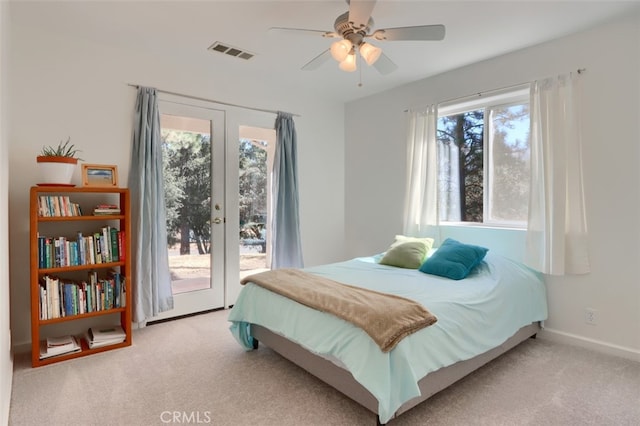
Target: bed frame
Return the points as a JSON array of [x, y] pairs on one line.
[[343, 381]]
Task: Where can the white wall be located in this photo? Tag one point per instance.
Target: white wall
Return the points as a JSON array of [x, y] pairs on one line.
[[6, 359], [64, 87], [375, 142]]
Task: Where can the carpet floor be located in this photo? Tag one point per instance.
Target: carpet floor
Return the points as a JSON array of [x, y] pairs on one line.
[[192, 371]]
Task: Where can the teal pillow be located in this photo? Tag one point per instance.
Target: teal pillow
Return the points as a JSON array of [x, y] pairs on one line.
[[454, 260], [406, 255]]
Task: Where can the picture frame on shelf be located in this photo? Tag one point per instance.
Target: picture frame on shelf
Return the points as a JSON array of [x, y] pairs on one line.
[[99, 175]]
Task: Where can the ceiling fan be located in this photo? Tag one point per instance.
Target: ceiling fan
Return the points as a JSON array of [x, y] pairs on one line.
[[353, 27]]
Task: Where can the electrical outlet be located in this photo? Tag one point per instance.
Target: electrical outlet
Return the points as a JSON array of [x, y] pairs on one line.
[[591, 316]]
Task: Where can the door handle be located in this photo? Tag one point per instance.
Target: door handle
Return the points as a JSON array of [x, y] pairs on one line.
[[217, 220]]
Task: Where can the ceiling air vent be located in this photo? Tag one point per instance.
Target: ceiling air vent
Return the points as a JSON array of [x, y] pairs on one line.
[[230, 50]]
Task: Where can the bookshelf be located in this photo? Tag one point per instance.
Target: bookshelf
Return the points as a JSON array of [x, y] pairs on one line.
[[85, 281]]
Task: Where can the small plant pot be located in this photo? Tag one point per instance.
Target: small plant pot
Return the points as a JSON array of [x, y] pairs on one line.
[[56, 170]]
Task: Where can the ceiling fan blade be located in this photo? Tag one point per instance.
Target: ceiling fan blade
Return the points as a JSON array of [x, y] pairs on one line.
[[319, 32], [360, 12], [384, 65], [317, 61], [420, 32]]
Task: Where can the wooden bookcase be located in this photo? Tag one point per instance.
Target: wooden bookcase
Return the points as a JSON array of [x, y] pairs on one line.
[[68, 226]]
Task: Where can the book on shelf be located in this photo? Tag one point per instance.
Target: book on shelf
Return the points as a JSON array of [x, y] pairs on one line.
[[106, 245], [60, 341], [106, 212], [97, 337], [113, 241], [109, 332], [56, 206], [63, 297], [54, 346], [103, 246], [106, 209]]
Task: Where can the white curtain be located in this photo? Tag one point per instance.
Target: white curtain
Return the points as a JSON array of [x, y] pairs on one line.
[[557, 226], [421, 198]]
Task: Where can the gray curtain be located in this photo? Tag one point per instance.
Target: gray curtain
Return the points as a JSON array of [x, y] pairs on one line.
[[286, 248], [150, 260]]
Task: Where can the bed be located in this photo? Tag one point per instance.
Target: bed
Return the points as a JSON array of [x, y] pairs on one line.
[[498, 305]]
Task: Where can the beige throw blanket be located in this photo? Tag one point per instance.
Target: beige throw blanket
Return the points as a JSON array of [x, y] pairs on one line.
[[385, 317]]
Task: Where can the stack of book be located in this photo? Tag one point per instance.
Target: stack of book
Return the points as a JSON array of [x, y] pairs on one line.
[[54, 346], [97, 337], [106, 209]]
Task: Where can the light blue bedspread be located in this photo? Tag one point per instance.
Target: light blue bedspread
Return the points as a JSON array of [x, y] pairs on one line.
[[474, 315]]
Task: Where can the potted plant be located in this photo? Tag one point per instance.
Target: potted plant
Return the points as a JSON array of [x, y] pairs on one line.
[[57, 164]]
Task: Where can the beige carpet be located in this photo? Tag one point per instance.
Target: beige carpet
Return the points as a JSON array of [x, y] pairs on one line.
[[193, 369]]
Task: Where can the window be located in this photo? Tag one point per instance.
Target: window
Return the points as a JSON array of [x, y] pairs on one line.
[[483, 159]]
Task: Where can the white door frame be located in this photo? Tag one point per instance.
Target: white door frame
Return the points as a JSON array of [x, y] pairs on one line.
[[213, 297]]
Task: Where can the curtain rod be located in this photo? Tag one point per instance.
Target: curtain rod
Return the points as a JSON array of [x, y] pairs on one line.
[[217, 102], [579, 71]]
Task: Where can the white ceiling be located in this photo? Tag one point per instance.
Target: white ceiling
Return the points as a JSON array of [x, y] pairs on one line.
[[476, 30]]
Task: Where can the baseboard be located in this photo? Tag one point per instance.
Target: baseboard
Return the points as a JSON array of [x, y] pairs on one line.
[[21, 348], [7, 381], [584, 342]]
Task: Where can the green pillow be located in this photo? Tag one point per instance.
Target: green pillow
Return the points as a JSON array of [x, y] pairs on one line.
[[406, 255], [401, 239], [454, 259]]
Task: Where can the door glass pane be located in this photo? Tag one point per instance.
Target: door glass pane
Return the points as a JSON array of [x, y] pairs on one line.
[[253, 202], [186, 151]]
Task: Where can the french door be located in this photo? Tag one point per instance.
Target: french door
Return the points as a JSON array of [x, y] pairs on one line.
[[204, 145], [193, 143]]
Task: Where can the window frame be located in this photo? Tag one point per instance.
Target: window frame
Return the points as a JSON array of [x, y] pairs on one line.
[[502, 98]]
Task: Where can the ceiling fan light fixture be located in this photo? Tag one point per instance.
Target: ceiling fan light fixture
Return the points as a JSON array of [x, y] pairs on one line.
[[349, 63], [370, 53], [341, 49]]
